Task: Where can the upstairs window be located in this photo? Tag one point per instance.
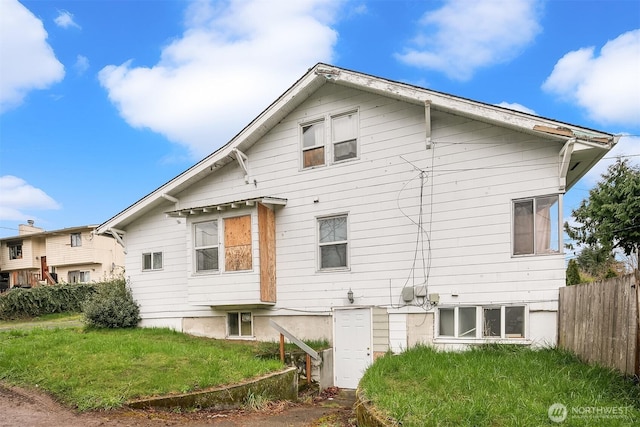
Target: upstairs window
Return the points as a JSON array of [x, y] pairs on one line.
[[15, 250], [313, 145], [152, 261], [535, 226], [76, 239], [332, 242], [344, 134], [331, 139], [206, 246]]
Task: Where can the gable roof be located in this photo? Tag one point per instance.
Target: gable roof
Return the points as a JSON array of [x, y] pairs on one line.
[[590, 145]]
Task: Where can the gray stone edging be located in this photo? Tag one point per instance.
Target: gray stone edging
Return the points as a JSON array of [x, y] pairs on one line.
[[281, 385], [368, 416]]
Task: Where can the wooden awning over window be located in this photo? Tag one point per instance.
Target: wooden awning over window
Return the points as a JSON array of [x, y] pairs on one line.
[[199, 210]]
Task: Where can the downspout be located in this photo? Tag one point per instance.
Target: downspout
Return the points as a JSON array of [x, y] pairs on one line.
[[427, 119]]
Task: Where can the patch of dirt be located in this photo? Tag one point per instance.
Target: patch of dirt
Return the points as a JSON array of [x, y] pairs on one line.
[[28, 407]]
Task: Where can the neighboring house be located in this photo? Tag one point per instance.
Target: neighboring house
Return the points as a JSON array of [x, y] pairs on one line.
[[368, 212], [73, 255]]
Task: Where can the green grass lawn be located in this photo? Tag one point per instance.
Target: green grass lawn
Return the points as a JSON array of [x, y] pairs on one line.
[[498, 386], [101, 369]]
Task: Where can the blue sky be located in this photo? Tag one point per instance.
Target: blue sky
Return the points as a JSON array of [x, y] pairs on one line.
[[101, 102]]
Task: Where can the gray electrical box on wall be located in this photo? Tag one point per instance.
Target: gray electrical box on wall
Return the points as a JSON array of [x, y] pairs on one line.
[[407, 294], [434, 298]]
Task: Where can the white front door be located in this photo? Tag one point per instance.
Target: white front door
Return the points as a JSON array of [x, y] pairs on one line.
[[351, 345]]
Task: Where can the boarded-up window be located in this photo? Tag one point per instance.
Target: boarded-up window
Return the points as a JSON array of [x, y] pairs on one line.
[[237, 243]]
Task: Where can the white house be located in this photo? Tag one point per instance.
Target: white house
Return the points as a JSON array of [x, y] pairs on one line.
[[371, 213]]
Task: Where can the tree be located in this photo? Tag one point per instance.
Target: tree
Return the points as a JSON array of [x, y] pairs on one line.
[[610, 217], [573, 273]]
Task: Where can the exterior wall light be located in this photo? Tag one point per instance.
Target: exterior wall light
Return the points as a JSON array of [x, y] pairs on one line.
[[350, 296]]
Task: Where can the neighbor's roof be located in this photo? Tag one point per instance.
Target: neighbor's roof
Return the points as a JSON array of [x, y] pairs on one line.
[[596, 143], [45, 233]]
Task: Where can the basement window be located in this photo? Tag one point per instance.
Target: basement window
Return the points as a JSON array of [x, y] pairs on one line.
[[486, 323], [78, 276], [239, 324]]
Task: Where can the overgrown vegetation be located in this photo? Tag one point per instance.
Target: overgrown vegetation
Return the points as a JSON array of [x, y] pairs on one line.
[[111, 307], [609, 219], [103, 368], [496, 385], [34, 302]]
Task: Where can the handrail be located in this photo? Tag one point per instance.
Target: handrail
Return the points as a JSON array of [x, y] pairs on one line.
[[311, 352]]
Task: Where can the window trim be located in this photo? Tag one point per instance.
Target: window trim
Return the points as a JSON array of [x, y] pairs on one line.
[[80, 274], [217, 246], [322, 144], [152, 259], [356, 138], [240, 336], [346, 242], [480, 325], [15, 250], [76, 240], [328, 143], [557, 239]]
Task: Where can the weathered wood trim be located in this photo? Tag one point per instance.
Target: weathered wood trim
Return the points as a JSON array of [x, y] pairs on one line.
[[267, 253]]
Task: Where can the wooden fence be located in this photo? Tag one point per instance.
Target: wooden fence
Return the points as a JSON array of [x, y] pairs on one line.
[[599, 322]]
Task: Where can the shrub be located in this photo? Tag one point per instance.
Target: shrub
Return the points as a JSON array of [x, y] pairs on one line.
[[66, 297], [112, 307]]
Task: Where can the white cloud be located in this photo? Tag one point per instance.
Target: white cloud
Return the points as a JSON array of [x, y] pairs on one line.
[[517, 107], [463, 35], [28, 62], [233, 59], [81, 65], [16, 195], [65, 20], [606, 86], [627, 146]]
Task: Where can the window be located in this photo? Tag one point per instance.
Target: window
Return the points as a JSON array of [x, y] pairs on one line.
[[237, 243], [76, 239], [206, 246], [332, 239], [344, 134], [494, 322], [15, 250], [152, 261], [535, 226], [313, 145], [239, 324], [334, 143], [78, 276]]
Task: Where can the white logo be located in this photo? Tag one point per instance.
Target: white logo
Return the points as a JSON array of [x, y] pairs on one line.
[[557, 412]]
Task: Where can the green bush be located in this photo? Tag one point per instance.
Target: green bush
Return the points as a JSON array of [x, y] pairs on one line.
[[66, 297], [112, 307]]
